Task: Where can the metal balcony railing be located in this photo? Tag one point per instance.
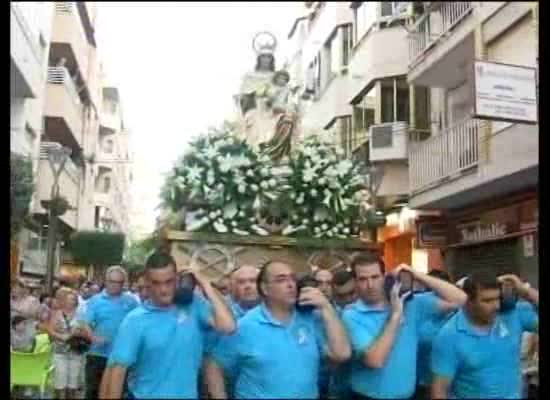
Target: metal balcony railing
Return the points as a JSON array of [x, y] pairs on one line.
[[424, 34], [442, 156]]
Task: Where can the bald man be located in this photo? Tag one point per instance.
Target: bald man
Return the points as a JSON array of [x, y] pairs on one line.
[[243, 296]]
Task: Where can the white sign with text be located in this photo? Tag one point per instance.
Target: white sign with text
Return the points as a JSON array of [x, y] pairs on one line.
[[505, 92]]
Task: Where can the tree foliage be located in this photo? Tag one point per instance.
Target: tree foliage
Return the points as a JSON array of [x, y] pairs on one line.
[[137, 252], [97, 248], [21, 190]]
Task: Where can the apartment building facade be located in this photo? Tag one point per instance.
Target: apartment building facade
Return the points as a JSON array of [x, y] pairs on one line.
[[481, 172], [113, 174], [399, 92], [30, 31], [352, 58], [66, 112]]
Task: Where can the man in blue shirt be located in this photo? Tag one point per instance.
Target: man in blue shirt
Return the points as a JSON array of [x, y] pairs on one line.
[[277, 349], [101, 319], [324, 277], [160, 344], [428, 330], [477, 353], [344, 294], [243, 297], [384, 332]]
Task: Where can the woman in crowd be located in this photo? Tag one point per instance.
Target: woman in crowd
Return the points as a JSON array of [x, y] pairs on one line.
[[67, 362]]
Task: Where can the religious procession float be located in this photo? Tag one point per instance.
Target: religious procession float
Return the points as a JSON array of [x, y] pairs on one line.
[[261, 188]]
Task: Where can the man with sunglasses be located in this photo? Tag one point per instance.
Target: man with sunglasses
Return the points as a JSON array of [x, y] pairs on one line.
[[103, 315], [277, 349]]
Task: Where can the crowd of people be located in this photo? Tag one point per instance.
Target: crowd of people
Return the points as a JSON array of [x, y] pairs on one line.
[[262, 332]]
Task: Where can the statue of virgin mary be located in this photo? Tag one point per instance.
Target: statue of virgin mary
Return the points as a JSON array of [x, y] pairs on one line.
[[257, 122], [265, 102]]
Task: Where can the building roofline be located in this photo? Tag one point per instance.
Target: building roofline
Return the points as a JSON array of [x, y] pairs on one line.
[[295, 25]]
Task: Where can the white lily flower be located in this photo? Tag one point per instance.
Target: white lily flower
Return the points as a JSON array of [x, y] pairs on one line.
[[210, 152], [309, 174], [194, 173]]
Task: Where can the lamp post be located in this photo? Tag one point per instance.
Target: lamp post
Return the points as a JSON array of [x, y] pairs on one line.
[[57, 157]]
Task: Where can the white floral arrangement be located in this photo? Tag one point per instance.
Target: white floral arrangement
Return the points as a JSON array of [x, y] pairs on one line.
[[223, 183]]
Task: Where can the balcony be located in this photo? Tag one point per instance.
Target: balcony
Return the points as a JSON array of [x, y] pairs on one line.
[[63, 111], [440, 41], [25, 55], [69, 183], [445, 156], [69, 38]]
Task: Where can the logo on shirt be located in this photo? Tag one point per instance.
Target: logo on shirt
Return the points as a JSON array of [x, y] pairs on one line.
[[182, 316], [503, 330], [301, 335]]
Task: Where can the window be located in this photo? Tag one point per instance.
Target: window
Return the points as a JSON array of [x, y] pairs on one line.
[[338, 51], [393, 8], [422, 107], [333, 51], [386, 8], [313, 85], [106, 184], [395, 100], [403, 104], [364, 16], [347, 43], [387, 101], [363, 118], [108, 146]]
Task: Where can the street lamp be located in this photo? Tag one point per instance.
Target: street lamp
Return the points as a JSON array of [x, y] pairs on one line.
[[57, 157]]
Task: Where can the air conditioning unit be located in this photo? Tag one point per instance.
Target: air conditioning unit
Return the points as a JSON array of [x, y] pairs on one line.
[[388, 141]]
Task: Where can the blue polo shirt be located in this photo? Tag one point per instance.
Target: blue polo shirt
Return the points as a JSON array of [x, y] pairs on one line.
[[104, 314], [483, 364], [212, 337], [216, 343], [162, 349], [364, 324], [429, 329], [274, 360], [339, 385]]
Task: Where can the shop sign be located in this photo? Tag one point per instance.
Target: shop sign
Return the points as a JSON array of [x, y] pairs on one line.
[[496, 223], [478, 232], [431, 233]]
